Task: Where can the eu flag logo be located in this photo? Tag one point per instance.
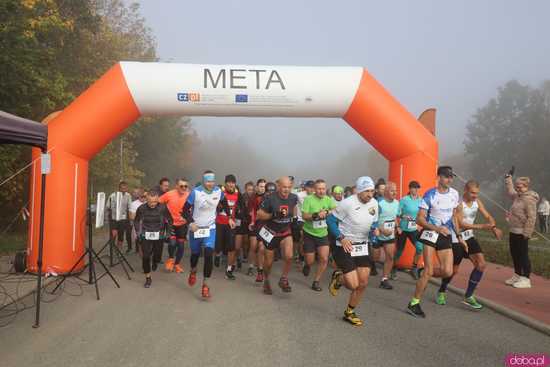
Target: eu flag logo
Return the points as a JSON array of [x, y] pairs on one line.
[[241, 98]]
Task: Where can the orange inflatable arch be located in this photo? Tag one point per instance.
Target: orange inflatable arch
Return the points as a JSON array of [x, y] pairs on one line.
[[130, 90]]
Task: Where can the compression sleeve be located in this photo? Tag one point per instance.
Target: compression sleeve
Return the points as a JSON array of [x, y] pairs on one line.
[[332, 224], [187, 211]]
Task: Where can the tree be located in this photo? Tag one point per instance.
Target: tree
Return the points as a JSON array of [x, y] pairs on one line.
[[512, 129]]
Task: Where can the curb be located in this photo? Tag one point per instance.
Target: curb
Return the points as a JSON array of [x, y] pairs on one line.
[[503, 310]]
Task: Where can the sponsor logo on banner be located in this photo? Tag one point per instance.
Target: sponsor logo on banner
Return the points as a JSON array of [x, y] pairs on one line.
[[189, 97], [241, 98]]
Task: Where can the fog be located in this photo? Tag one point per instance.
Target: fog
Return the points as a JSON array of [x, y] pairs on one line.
[[449, 55]]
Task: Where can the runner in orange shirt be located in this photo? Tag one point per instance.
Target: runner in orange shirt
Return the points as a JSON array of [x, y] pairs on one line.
[[175, 200]]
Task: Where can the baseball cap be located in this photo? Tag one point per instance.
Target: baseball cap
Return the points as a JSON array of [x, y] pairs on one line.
[[445, 171], [230, 178], [364, 183], [309, 183], [338, 190], [414, 185]]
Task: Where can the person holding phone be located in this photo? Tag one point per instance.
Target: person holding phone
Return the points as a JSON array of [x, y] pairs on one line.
[[521, 217]]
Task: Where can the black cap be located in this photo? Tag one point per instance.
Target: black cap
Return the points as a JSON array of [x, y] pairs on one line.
[[309, 183], [414, 185], [445, 171], [270, 187], [291, 178], [230, 178]]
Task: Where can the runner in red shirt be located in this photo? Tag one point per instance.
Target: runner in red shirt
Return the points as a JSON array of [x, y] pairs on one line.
[[256, 250], [175, 200]]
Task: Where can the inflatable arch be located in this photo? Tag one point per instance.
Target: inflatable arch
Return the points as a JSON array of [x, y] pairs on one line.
[[131, 89]]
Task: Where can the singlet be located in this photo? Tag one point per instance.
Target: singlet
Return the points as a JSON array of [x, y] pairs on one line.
[[469, 213], [205, 205], [232, 199]]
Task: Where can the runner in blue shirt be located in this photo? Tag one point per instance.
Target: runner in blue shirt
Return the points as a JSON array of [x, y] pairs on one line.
[[388, 211]]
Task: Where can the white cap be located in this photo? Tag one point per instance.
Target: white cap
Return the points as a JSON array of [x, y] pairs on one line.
[[364, 183]]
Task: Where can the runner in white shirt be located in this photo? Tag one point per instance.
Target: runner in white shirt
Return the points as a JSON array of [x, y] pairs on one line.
[[438, 218], [467, 213], [350, 223]]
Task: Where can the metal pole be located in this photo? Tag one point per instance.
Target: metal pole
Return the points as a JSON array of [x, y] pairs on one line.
[[40, 252]]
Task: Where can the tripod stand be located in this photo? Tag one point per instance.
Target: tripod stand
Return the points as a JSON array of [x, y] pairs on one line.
[[92, 257], [121, 258]]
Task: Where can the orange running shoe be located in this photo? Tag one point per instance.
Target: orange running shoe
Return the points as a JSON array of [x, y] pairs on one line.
[[192, 278], [169, 266], [178, 268], [205, 291]]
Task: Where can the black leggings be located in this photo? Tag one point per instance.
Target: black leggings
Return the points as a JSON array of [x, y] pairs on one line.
[[208, 255], [152, 250], [543, 223], [519, 249]]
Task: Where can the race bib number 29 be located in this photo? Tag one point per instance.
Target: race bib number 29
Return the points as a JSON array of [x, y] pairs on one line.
[[360, 250]]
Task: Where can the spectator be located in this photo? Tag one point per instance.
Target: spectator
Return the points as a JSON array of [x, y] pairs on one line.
[[521, 218], [544, 212]]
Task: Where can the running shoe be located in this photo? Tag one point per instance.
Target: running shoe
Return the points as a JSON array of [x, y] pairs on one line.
[[441, 298], [259, 277], [334, 285], [385, 284], [284, 285], [178, 268], [169, 266], [315, 286], [393, 274], [472, 303], [306, 269], [416, 310], [267, 288], [148, 282], [205, 291], [192, 278], [351, 317], [512, 280], [217, 261], [229, 275]]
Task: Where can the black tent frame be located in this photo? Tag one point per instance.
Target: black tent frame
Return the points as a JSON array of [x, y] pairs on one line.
[[17, 130]]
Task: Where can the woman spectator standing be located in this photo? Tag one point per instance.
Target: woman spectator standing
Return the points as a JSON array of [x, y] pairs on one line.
[[521, 218]]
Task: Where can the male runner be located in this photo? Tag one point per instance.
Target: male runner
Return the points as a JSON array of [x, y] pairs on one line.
[[351, 223], [278, 210], [407, 229], [297, 231], [315, 210], [337, 194], [242, 222], [175, 201], [200, 212], [256, 251], [225, 236], [467, 213], [141, 198], [388, 211], [153, 223], [375, 248], [438, 218]]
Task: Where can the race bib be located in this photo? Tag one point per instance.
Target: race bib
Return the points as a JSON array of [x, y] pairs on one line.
[[430, 236], [360, 250], [317, 224], [389, 226], [238, 222], [152, 236], [202, 233], [266, 235], [466, 235], [411, 225]]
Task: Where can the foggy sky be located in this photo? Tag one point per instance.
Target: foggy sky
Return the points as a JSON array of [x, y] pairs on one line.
[[442, 54]]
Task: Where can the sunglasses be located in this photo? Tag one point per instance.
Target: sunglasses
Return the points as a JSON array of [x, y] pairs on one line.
[[184, 186]]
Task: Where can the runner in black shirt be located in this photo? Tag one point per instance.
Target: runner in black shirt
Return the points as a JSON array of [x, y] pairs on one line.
[[278, 210]]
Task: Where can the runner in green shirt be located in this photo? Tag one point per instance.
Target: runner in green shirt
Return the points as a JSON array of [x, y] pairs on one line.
[[314, 212]]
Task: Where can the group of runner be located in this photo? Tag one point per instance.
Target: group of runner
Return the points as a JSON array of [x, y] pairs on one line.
[[348, 228]]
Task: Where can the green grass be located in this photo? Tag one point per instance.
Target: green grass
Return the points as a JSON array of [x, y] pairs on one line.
[[499, 252], [12, 242]]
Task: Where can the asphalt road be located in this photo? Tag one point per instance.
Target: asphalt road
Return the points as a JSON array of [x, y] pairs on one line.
[[169, 325]]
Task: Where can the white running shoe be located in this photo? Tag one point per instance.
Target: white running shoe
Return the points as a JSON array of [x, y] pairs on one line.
[[512, 280], [523, 282]]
